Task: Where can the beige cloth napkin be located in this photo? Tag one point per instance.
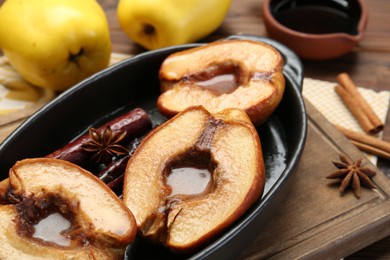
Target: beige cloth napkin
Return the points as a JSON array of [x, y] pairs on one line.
[[9, 103], [325, 99]]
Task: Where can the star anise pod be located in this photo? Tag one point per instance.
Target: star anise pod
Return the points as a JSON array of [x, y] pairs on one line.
[[352, 174], [105, 144]]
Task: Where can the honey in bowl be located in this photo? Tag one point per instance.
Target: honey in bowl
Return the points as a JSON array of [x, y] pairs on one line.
[[318, 17], [316, 29]]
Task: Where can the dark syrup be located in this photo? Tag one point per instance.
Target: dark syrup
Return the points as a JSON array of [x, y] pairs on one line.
[[318, 17]]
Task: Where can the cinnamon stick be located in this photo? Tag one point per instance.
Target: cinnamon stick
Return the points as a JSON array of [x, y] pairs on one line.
[[367, 143], [361, 110], [371, 150], [353, 106]]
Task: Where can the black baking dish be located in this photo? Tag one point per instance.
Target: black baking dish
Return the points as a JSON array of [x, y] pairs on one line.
[[134, 83]]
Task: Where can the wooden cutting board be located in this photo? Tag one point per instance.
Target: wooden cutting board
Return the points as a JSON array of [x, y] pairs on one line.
[[315, 222]]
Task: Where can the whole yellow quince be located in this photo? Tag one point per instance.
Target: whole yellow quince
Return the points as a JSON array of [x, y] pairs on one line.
[[160, 23], [55, 43]]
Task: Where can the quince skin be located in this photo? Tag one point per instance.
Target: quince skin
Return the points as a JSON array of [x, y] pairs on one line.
[[160, 23], [55, 43]]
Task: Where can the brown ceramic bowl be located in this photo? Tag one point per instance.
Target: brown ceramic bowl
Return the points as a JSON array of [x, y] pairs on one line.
[[316, 29]]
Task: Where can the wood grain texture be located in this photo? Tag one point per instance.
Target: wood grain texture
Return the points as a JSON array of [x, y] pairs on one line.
[[315, 222], [368, 65]]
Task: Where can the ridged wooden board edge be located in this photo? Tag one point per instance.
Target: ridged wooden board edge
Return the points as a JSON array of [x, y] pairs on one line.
[[315, 222]]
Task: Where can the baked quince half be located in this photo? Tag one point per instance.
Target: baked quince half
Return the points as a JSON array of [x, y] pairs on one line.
[[242, 74], [194, 176], [52, 209]]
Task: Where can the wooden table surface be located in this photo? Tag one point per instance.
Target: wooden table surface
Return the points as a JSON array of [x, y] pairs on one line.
[[368, 64]]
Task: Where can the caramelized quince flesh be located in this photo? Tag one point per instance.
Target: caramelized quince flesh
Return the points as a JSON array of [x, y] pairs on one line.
[[52, 208], [226, 146], [226, 74]]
